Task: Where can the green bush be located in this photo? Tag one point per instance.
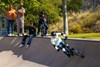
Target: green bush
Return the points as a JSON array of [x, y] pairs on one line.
[[75, 28]]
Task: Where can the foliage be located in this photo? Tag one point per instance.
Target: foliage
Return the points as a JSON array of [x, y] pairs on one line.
[[80, 22], [34, 7], [56, 27], [84, 22], [74, 5], [76, 28], [52, 8]]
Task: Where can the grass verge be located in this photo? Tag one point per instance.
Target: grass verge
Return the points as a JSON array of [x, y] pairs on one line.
[[86, 35]]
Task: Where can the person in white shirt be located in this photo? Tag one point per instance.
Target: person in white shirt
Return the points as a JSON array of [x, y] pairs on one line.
[[20, 19], [58, 43]]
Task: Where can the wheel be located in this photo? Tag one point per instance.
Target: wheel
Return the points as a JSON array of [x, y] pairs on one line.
[[78, 53]]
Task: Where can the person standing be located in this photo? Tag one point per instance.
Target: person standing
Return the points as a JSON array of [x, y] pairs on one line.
[[20, 19], [11, 18], [44, 25], [41, 20]]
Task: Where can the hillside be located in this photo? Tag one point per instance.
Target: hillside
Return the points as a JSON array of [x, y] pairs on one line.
[[80, 23]]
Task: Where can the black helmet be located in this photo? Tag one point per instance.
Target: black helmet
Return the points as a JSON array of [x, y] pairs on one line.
[[53, 33]]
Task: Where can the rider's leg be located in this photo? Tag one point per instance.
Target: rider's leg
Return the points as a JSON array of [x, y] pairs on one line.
[[69, 47], [66, 47], [57, 48], [63, 49], [66, 52]]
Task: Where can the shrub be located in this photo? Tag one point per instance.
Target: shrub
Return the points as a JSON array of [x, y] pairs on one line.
[[75, 28]]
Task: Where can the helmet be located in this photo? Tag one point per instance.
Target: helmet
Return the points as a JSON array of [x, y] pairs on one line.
[[53, 33]]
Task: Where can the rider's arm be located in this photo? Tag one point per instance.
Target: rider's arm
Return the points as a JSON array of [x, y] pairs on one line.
[[54, 45], [58, 41], [53, 42]]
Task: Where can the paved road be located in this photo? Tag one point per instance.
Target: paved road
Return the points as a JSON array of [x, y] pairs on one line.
[[42, 54]]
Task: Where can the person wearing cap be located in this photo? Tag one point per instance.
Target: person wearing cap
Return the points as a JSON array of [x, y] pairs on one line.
[[20, 19]]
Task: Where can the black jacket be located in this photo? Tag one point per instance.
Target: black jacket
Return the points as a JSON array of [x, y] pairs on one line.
[[32, 30]]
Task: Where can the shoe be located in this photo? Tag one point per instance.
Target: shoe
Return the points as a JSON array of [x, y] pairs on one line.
[[72, 49], [72, 54], [38, 35], [68, 55], [9, 34], [21, 45], [46, 35], [27, 46], [12, 34]]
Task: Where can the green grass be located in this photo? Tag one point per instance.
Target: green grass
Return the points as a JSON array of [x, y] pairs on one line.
[[86, 35]]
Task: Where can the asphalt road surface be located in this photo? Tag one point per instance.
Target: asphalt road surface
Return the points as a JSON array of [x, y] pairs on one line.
[[42, 54]]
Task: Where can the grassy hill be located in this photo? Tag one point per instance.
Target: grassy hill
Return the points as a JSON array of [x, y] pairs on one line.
[[86, 22]]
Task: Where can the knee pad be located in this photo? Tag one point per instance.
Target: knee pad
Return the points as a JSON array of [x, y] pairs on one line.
[[63, 49], [56, 48]]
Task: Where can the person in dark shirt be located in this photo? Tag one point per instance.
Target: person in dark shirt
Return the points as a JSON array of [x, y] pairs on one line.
[[45, 26], [41, 20], [31, 34]]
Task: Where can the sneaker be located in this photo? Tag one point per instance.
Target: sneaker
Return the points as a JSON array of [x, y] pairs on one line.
[[12, 34], [46, 36], [21, 45], [38, 35], [68, 55], [9, 34], [72, 54], [27, 46]]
